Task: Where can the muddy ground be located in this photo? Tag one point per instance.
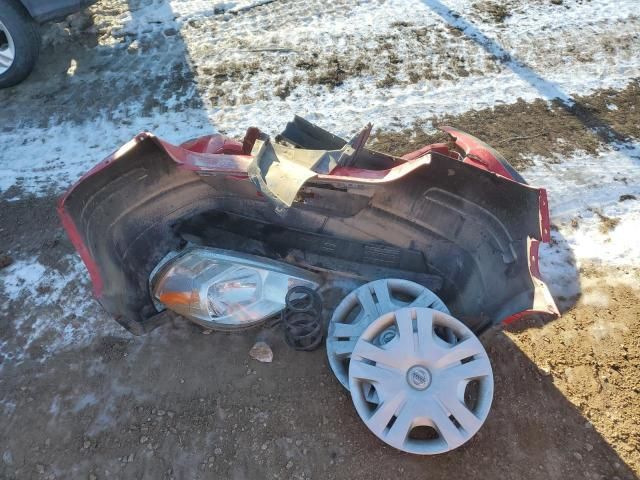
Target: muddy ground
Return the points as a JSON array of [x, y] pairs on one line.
[[525, 129], [182, 403]]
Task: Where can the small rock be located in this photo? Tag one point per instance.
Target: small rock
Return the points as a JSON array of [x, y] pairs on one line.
[[588, 447], [80, 21], [170, 32], [134, 47], [5, 261], [40, 468], [143, 439], [130, 458], [218, 451], [212, 459], [262, 352], [264, 446], [577, 456], [86, 444], [161, 413], [7, 457], [289, 465]]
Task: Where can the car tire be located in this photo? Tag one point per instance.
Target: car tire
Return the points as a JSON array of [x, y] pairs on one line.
[[20, 39]]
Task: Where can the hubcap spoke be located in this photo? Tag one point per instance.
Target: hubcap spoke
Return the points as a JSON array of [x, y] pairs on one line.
[[344, 348], [444, 425], [371, 373], [7, 51], [384, 305], [467, 348], [379, 355], [368, 305], [400, 429], [426, 298], [382, 416], [462, 414], [424, 324], [476, 368], [6, 59], [345, 330], [405, 330]]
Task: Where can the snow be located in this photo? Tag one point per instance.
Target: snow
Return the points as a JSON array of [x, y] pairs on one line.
[[60, 154], [56, 309], [583, 187], [539, 51], [22, 276], [547, 57]]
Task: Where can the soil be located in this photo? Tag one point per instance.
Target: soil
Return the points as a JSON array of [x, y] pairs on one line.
[[493, 11], [607, 223], [523, 129], [592, 354], [180, 404]]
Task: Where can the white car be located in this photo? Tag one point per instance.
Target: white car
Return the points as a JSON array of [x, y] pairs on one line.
[[20, 33]]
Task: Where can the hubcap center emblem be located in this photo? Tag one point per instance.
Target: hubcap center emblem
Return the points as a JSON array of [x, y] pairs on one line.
[[419, 377]]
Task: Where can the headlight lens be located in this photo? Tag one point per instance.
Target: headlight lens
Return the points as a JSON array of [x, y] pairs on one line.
[[221, 289]]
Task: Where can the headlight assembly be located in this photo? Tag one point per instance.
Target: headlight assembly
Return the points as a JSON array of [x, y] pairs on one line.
[[222, 289]]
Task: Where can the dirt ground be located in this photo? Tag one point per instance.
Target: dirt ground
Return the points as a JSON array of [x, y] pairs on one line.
[[524, 129], [181, 403]]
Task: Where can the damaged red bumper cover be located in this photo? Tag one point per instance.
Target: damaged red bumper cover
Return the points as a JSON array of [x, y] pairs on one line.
[[457, 219]]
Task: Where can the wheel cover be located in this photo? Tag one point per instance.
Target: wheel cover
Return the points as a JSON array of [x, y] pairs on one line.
[[7, 49], [374, 299], [421, 381]]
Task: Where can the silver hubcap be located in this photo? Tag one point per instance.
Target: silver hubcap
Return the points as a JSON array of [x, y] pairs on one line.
[[371, 301], [431, 395], [7, 49]]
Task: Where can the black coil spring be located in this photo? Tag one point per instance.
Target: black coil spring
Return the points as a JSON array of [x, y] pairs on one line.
[[302, 319]]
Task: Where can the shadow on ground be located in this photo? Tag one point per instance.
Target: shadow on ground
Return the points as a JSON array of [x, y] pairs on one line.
[[146, 68], [179, 404]]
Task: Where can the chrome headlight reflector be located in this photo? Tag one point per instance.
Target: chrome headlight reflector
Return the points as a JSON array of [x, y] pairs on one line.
[[222, 289]]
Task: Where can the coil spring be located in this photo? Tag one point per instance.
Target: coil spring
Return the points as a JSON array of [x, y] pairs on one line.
[[302, 319]]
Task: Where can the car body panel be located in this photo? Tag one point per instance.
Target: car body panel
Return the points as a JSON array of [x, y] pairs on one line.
[[45, 10], [429, 216]]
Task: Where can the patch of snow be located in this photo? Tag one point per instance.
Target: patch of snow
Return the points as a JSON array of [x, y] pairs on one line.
[[21, 277], [49, 308], [60, 154], [583, 190]]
